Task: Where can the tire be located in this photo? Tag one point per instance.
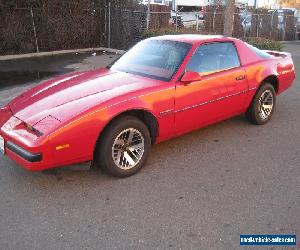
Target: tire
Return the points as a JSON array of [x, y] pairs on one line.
[[124, 147], [260, 114]]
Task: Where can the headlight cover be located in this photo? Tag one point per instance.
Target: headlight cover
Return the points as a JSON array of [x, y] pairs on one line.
[[46, 125]]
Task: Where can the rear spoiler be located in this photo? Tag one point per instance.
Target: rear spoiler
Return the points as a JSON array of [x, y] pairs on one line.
[[278, 53]]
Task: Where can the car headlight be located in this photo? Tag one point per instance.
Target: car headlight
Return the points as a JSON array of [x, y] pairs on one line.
[[46, 125], [32, 129]]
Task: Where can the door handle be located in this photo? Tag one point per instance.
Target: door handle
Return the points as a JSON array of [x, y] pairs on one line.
[[240, 78]]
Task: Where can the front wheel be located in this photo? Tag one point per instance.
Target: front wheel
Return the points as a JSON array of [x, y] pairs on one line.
[[263, 105], [124, 147]]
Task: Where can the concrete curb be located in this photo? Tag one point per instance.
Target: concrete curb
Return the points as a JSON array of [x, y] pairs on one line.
[[288, 42], [60, 52]]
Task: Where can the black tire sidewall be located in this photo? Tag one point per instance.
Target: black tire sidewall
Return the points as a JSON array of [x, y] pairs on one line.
[[104, 151]]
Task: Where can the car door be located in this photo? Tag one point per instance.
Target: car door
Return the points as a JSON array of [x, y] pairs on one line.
[[220, 92]]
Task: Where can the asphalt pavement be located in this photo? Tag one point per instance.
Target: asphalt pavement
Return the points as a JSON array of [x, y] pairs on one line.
[[198, 191]]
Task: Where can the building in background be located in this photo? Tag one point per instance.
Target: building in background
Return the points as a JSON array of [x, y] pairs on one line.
[[158, 2], [266, 3], [196, 5]]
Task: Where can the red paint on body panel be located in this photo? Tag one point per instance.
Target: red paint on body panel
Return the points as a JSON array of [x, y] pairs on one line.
[[74, 109]]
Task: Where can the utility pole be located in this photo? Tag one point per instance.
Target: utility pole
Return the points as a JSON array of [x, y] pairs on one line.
[[229, 18]]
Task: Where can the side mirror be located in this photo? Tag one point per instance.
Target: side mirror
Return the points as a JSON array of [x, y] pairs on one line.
[[190, 76]]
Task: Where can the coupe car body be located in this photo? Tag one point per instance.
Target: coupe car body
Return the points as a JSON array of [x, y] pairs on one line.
[[61, 121]]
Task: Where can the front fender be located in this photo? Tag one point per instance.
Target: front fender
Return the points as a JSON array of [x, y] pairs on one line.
[[82, 132]]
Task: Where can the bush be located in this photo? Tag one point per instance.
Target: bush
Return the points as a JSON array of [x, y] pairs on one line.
[[167, 31], [263, 43]]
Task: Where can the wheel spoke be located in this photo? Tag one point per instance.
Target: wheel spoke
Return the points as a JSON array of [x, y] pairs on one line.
[[119, 143], [135, 152], [137, 146], [267, 107], [129, 159], [267, 95], [130, 136], [263, 113]]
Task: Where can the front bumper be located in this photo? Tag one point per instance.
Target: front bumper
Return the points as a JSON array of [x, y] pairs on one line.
[[19, 144], [23, 153], [41, 159], [36, 153], [31, 159]]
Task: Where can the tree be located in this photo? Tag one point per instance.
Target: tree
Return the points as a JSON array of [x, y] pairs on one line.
[[289, 3], [229, 18]]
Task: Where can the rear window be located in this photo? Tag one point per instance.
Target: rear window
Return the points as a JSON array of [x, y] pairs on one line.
[[259, 52]]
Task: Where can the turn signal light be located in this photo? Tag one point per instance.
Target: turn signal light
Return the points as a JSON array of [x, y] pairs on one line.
[[60, 147]]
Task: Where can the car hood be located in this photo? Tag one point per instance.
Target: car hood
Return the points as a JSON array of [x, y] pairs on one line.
[[76, 92]]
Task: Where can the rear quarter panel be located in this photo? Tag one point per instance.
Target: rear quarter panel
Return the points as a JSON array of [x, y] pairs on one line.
[[286, 73], [258, 69], [282, 68]]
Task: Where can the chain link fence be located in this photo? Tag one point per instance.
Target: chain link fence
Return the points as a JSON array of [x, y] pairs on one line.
[[60, 25], [269, 26], [89, 24], [35, 28]]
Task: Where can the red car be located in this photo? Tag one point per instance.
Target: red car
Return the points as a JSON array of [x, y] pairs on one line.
[[161, 88]]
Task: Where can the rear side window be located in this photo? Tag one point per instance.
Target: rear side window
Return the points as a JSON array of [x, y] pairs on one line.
[[259, 52], [214, 57]]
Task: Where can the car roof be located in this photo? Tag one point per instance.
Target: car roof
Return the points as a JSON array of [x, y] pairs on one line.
[[192, 38]]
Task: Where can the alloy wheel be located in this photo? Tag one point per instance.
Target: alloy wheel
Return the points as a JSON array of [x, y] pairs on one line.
[[128, 148], [266, 104]]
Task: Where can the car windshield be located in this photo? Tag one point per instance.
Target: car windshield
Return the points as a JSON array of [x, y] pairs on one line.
[[157, 59]]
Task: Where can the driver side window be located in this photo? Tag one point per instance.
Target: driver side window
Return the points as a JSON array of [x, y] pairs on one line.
[[214, 57]]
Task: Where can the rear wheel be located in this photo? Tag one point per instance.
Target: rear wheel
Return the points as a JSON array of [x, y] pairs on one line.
[[124, 147], [263, 105]]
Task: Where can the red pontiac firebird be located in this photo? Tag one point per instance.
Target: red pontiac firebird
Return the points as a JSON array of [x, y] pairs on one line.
[[163, 87]]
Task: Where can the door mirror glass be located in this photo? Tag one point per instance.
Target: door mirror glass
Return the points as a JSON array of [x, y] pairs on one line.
[[190, 76]]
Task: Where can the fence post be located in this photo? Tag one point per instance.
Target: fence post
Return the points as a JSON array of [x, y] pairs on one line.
[[213, 24], [233, 26], [197, 22], [271, 30], [105, 23], [244, 27], [295, 26], [257, 24], [34, 31], [109, 24], [284, 28], [176, 22], [148, 14]]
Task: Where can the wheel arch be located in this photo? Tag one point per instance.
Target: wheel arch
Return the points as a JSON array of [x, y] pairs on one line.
[[143, 115], [273, 80]]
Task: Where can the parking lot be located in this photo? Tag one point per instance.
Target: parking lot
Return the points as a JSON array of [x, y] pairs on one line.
[[199, 191]]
